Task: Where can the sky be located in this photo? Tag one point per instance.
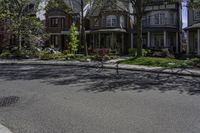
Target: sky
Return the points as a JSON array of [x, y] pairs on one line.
[[184, 13]]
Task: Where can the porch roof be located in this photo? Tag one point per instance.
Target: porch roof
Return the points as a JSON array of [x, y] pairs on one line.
[[194, 26], [109, 30]]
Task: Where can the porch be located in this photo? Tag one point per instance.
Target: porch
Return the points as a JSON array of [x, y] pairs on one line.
[[109, 39], [193, 42], [160, 40]]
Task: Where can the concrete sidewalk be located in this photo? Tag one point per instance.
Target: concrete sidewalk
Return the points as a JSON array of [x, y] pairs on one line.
[[109, 65], [4, 129]]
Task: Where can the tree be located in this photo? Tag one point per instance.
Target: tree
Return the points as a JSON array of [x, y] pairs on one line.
[[192, 3], [73, 44], [21, 19], [85, 7], [139, 7]]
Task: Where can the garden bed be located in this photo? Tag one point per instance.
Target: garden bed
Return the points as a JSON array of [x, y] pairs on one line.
[[156, 62]]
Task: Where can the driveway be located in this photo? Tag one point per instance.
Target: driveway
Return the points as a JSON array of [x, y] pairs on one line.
[[63, 99]]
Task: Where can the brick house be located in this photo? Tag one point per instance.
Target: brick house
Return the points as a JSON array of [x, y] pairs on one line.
[[109, 26], [58, 23], [106, 27], [193, 32]]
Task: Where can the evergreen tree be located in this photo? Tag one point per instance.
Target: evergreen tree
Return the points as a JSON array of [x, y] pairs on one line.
[[73, 45]]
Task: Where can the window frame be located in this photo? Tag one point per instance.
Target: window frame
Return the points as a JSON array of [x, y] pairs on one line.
[[111, 21], [54, 22], [122, 21]]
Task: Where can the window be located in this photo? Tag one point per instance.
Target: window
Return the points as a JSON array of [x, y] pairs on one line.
[[156, 18], [162, 18], [62, 23], [96, 22], [122, 21], [54, 41], [172, 18], [149, 20], [74, 19], [54, 22], [159, 18], [111, 21], [197, 15]]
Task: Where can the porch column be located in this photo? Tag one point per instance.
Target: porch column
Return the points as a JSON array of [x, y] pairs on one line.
[[165, 39], [111, 41], [198, 41], [132, 37], [149, 40], [93, 41], [122, 43], [99, 40], [177, 45], [188, 42]]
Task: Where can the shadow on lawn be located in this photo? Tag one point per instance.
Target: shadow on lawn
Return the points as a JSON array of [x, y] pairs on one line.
[[108, 80]]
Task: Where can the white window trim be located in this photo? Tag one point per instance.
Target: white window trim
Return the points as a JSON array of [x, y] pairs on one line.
[[111, 21]]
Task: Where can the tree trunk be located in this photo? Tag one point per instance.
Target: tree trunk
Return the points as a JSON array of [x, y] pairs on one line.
[[139, 36], [19, 41], [83, 41]]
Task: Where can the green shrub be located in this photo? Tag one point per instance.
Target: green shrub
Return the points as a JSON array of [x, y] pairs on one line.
[[57, 55], [133, 52], [113, 52], [44, 55], [19, 54], [66, 52], [146, 52], [6, 55], [165, 52], [193, 62], [70, 57]]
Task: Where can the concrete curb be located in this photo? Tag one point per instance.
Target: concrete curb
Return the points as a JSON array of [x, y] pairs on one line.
[[3, 129], [175, 71]]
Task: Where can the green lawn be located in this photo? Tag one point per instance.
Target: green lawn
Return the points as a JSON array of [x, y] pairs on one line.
[[154, 61]]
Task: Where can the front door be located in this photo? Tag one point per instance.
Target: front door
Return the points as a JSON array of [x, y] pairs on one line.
[[159, 41]]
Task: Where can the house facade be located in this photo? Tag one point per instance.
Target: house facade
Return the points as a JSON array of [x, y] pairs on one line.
[[58, 23], [193, 32], [162, 25], [108, 26]]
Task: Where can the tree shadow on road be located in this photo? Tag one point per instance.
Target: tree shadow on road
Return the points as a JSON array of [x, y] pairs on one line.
[[107, 80]]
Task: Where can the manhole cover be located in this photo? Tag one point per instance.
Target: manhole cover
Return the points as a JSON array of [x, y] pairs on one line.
[[7, 101]]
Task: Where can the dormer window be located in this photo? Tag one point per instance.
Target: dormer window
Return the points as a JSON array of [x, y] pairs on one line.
[[122, 21], [54, 22], [111, 21]]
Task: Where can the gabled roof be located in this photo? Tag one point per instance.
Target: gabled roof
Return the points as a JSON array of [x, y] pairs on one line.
[[74, 5], [110, 5]]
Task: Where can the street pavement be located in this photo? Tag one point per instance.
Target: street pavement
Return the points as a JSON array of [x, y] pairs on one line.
[[64, 99]]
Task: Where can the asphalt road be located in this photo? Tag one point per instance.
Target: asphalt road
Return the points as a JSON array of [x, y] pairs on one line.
[[61, 99]]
